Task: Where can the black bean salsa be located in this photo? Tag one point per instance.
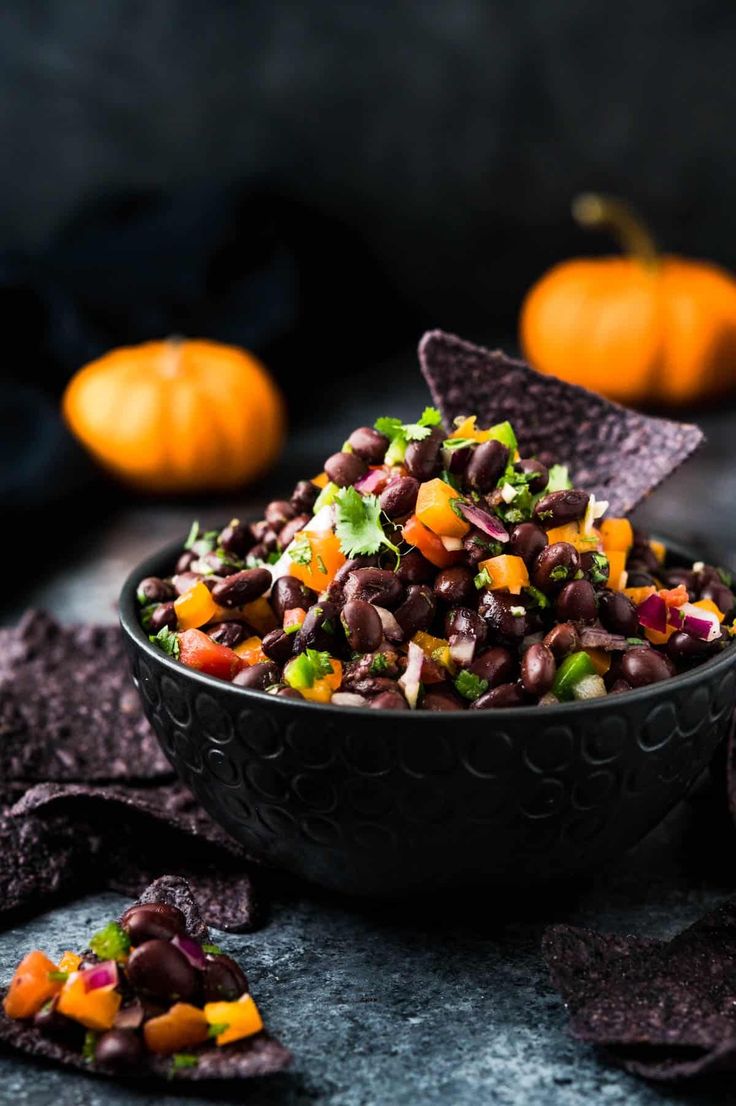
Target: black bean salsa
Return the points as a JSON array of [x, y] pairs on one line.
[[439, 571]]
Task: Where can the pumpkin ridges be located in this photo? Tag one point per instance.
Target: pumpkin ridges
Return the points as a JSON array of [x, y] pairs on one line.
[[699, 355]]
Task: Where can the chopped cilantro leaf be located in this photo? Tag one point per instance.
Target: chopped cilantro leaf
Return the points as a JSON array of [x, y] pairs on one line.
[[321, 564], [89, 1047], [300, 550], [483, 579], [559, 479], [401, 433], [538, 598], [273, 558], [469, 685], [184, 1060], [358, 524], [321, 663], [450, 478], [726, 576], [452, 444], [217, 1028], [379, 664], [167, 641], [58, 977], [111, 942], [213, 950], [304, 669], [599, 569], [146, 613], [559, 572], [635, 641]]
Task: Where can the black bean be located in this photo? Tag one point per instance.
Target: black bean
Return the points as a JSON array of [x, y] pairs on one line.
[[369, 685], [400, 497], [368, 444], [438, 699], [344, 469], [270, 540], [152, 589], [557, 508], [576, 602], [288, 594], [163, 616], [467, 622], [719, 594], [618, 613], [304, 496], [644, 556], [457, 461], [422, 457], [218, 565], [153, 920], [618, 686], [527, 540], [185, 562], [236, 538], [504, 624], [259, 552], [278, 513], [538, 670], [335, 590], [375, 585], [227, 633], [290, 529], [242, 587], [183, 581], [562, 640], [223, 979], [289, 693], [258, 676], [641, 666], [639, 578], [497, 665], [671, 577], [156, 968], [278, 645], [57, 1026], [415, 569], [478, 546], [362, 625], [119, 1050], [321, 629], [389, 700], [486, 466], [455, 586], [505, 695], [364, 667], [555, 566], [417, 610], [540, 477], [684, 649]]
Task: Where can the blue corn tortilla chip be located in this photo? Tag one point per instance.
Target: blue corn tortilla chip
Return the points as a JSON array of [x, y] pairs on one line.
[[618, 454], [261, 1054], [663, 1010]]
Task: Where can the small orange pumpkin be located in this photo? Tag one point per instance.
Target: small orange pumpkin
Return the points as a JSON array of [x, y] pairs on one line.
[[177, 416], [646, 328]]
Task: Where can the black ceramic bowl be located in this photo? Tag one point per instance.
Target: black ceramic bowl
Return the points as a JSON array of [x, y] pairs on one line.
[[393, 802]]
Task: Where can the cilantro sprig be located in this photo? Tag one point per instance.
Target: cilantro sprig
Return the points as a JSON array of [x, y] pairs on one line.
[[358, 524], [167, 641], [469, 685], [401, 433]]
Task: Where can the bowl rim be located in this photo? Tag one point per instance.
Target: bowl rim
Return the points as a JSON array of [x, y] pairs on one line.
[[151, 565]]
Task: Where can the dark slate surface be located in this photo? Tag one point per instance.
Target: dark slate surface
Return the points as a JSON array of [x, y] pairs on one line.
[[436, 1006]]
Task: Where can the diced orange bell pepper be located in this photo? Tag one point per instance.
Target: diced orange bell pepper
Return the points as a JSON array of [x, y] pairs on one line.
[[93, 1009], [600, 660], [294, 619], [709, 605], [259, 614], [69, 962], [195, 607], [573, 534], [322, 689], [242, 1019], [434, 509], [638, 595], [617, 534], [196, 650], [182, 1026], [429, 545], [327, 558], [250, 652], [434, 648], [507, 573], [659, 549], [321, 480], [468, 429], [617, 574], [30, 986]]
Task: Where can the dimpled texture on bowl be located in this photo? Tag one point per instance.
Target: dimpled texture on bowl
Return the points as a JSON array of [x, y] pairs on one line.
[[388, 803]]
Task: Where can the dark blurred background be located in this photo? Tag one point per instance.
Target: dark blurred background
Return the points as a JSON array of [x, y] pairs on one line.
[[321, 182]]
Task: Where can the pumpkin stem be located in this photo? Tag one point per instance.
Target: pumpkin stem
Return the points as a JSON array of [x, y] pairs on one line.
[[606, 212]]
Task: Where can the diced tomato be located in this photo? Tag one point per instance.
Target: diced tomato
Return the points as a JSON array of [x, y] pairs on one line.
[[196, 650], [429, 545], [294, 619]]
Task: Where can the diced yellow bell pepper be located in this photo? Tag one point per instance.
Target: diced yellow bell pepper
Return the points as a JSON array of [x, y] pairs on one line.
[[600, 660], [434, 509], [250, 651], [322, 689], [321, 480], [659, 549], [573, 534], [434, 648], [69, 962], [242, 1018], [617, 574], [638, 595], [195, 607], [93, 1009], [616, 534]]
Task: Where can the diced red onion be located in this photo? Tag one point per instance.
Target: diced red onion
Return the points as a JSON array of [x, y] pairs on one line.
[[452, 545], [652, 613], [486, 522], [374, 481], [409, 682], [102, 975], [391, 629], [462, 649], [348, 699], [191, 949], [696, 621]]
